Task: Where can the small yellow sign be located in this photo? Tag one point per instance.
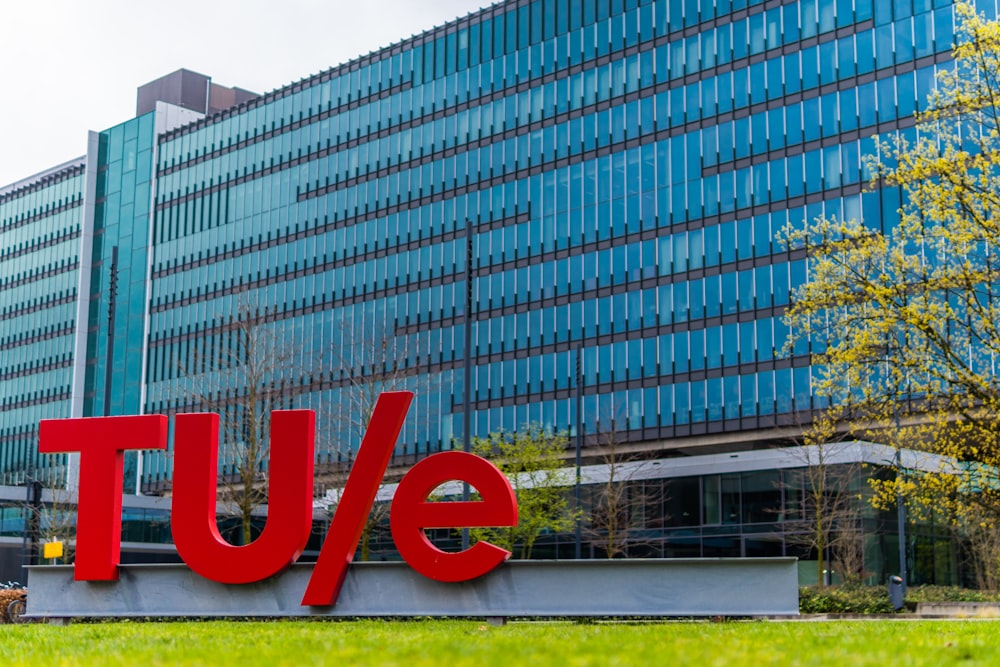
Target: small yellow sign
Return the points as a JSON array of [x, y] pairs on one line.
[[52, 550]]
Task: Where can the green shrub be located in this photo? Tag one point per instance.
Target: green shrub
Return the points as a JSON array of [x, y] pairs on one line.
[[875, 599], [844, 600], [949, 594]]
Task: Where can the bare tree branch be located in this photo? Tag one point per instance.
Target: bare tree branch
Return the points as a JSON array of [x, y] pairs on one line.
[[243, 375]]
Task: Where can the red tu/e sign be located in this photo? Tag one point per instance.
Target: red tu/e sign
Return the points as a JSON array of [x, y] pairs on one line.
[[101, 442]]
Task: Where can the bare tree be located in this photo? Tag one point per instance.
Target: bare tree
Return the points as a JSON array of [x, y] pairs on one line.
[[372, 359], [616, 517], [244, 374], [981, 540], [57, 522], [824, 504], [826, 516], [49, 513]]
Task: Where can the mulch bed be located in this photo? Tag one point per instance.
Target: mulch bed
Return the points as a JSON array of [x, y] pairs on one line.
[[6, 597]]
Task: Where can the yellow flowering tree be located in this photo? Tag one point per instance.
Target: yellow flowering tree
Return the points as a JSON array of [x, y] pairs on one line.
[[905, 321]]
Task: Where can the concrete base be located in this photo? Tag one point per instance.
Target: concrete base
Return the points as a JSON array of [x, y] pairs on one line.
[[608, 588], [958, 609]]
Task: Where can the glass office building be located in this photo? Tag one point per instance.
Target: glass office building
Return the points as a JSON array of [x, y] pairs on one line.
[[587, 192], [609, 175], [41, 227]]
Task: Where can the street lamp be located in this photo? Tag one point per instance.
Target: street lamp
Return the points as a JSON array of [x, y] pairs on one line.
[[467, 368], [579, 447]]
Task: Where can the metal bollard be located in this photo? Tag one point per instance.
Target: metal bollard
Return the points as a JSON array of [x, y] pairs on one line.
[[896, 592]]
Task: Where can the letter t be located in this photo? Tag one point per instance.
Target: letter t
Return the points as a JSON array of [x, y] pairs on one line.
[[101, 442]]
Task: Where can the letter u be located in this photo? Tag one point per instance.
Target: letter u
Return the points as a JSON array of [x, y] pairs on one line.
[[289, 499]]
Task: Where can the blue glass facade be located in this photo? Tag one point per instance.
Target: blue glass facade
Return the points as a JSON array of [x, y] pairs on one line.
[[622, 169], [613, 172], [121, 221], [115, 382], [41, 225]]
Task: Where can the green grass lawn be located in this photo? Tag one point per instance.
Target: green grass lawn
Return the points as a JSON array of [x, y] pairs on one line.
[[458, 643]]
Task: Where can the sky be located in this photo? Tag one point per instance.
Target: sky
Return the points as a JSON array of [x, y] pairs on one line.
[[69, 66]]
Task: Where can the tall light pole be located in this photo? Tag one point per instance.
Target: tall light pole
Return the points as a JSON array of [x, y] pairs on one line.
[[467, 367], [579, 448], [900, 508], [112, 302]]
